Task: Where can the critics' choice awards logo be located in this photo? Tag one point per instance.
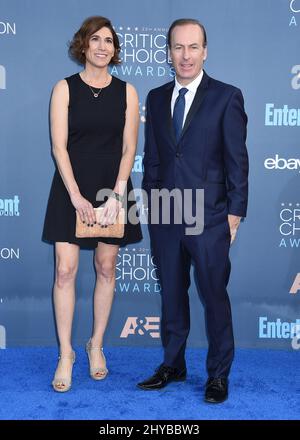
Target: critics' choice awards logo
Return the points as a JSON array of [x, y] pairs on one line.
[[136, 272], [143, 52], [289, 225], [295, 10], [295, 6], [10, 207], [296, 285], [141, 327]]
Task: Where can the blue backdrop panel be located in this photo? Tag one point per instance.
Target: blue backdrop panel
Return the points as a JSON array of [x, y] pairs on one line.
[[253, 45]]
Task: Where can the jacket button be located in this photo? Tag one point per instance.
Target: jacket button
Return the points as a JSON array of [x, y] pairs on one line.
[[178, 154]]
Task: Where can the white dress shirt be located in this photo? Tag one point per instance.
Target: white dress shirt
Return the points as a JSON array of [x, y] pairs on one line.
[[189, 96]]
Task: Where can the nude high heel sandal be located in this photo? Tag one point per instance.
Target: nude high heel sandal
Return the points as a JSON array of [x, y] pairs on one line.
[[98, 373], [63, 384]]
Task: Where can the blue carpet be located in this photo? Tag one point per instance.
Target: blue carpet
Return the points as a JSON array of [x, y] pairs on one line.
[[264, 385]]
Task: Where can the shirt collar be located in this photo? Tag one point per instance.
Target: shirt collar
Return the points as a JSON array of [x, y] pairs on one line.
[[192, 86]]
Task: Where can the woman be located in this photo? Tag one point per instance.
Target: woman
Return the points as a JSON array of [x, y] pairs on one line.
[[94, 127]]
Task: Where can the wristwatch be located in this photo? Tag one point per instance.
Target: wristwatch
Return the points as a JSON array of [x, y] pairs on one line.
[[117, 196]]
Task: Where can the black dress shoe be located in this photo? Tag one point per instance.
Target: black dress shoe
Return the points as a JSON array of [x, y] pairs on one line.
[[216, 390], [162, 376]]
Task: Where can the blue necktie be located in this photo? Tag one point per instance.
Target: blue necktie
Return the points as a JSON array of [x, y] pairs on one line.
[[178, 112]]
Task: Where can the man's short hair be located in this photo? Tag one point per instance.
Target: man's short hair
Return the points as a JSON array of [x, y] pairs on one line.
[[182, 22]]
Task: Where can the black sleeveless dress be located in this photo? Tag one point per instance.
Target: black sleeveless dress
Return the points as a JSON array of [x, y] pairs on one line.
[[95, 141]]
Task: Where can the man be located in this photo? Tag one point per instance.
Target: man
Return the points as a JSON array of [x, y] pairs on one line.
[[195, 138]]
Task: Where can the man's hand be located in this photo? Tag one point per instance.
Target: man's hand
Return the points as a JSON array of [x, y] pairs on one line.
[[234, 222]]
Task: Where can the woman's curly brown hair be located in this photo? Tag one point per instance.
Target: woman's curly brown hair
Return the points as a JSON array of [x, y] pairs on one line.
[[80, 41]]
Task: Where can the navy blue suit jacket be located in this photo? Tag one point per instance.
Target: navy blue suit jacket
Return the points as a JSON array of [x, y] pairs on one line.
[[211, 152]]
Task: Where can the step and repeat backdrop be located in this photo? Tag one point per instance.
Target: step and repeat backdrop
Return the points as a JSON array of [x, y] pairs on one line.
[[252, 44]]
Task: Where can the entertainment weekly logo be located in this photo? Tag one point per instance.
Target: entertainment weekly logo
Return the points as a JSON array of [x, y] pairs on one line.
[[147, 326], [9, 207], [143, 52], [278, 329], [289, 225], [294, 9], [281, 116], [136, 272]]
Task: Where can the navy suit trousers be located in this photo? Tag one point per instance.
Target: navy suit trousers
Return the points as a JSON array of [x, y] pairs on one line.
[[173, 252]]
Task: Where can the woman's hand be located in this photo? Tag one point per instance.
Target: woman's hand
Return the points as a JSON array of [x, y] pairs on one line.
[[110, 212], [85, 209]]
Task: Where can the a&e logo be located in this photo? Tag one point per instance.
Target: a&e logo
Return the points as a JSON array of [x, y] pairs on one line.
[[141, 326]]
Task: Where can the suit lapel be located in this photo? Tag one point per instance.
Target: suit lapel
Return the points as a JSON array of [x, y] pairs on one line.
[[201, 92], [167, 110]]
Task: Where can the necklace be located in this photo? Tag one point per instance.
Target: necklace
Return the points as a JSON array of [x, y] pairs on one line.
[[96, 93]]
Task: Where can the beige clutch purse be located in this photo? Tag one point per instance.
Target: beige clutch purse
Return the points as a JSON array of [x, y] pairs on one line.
[[111, 231]]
